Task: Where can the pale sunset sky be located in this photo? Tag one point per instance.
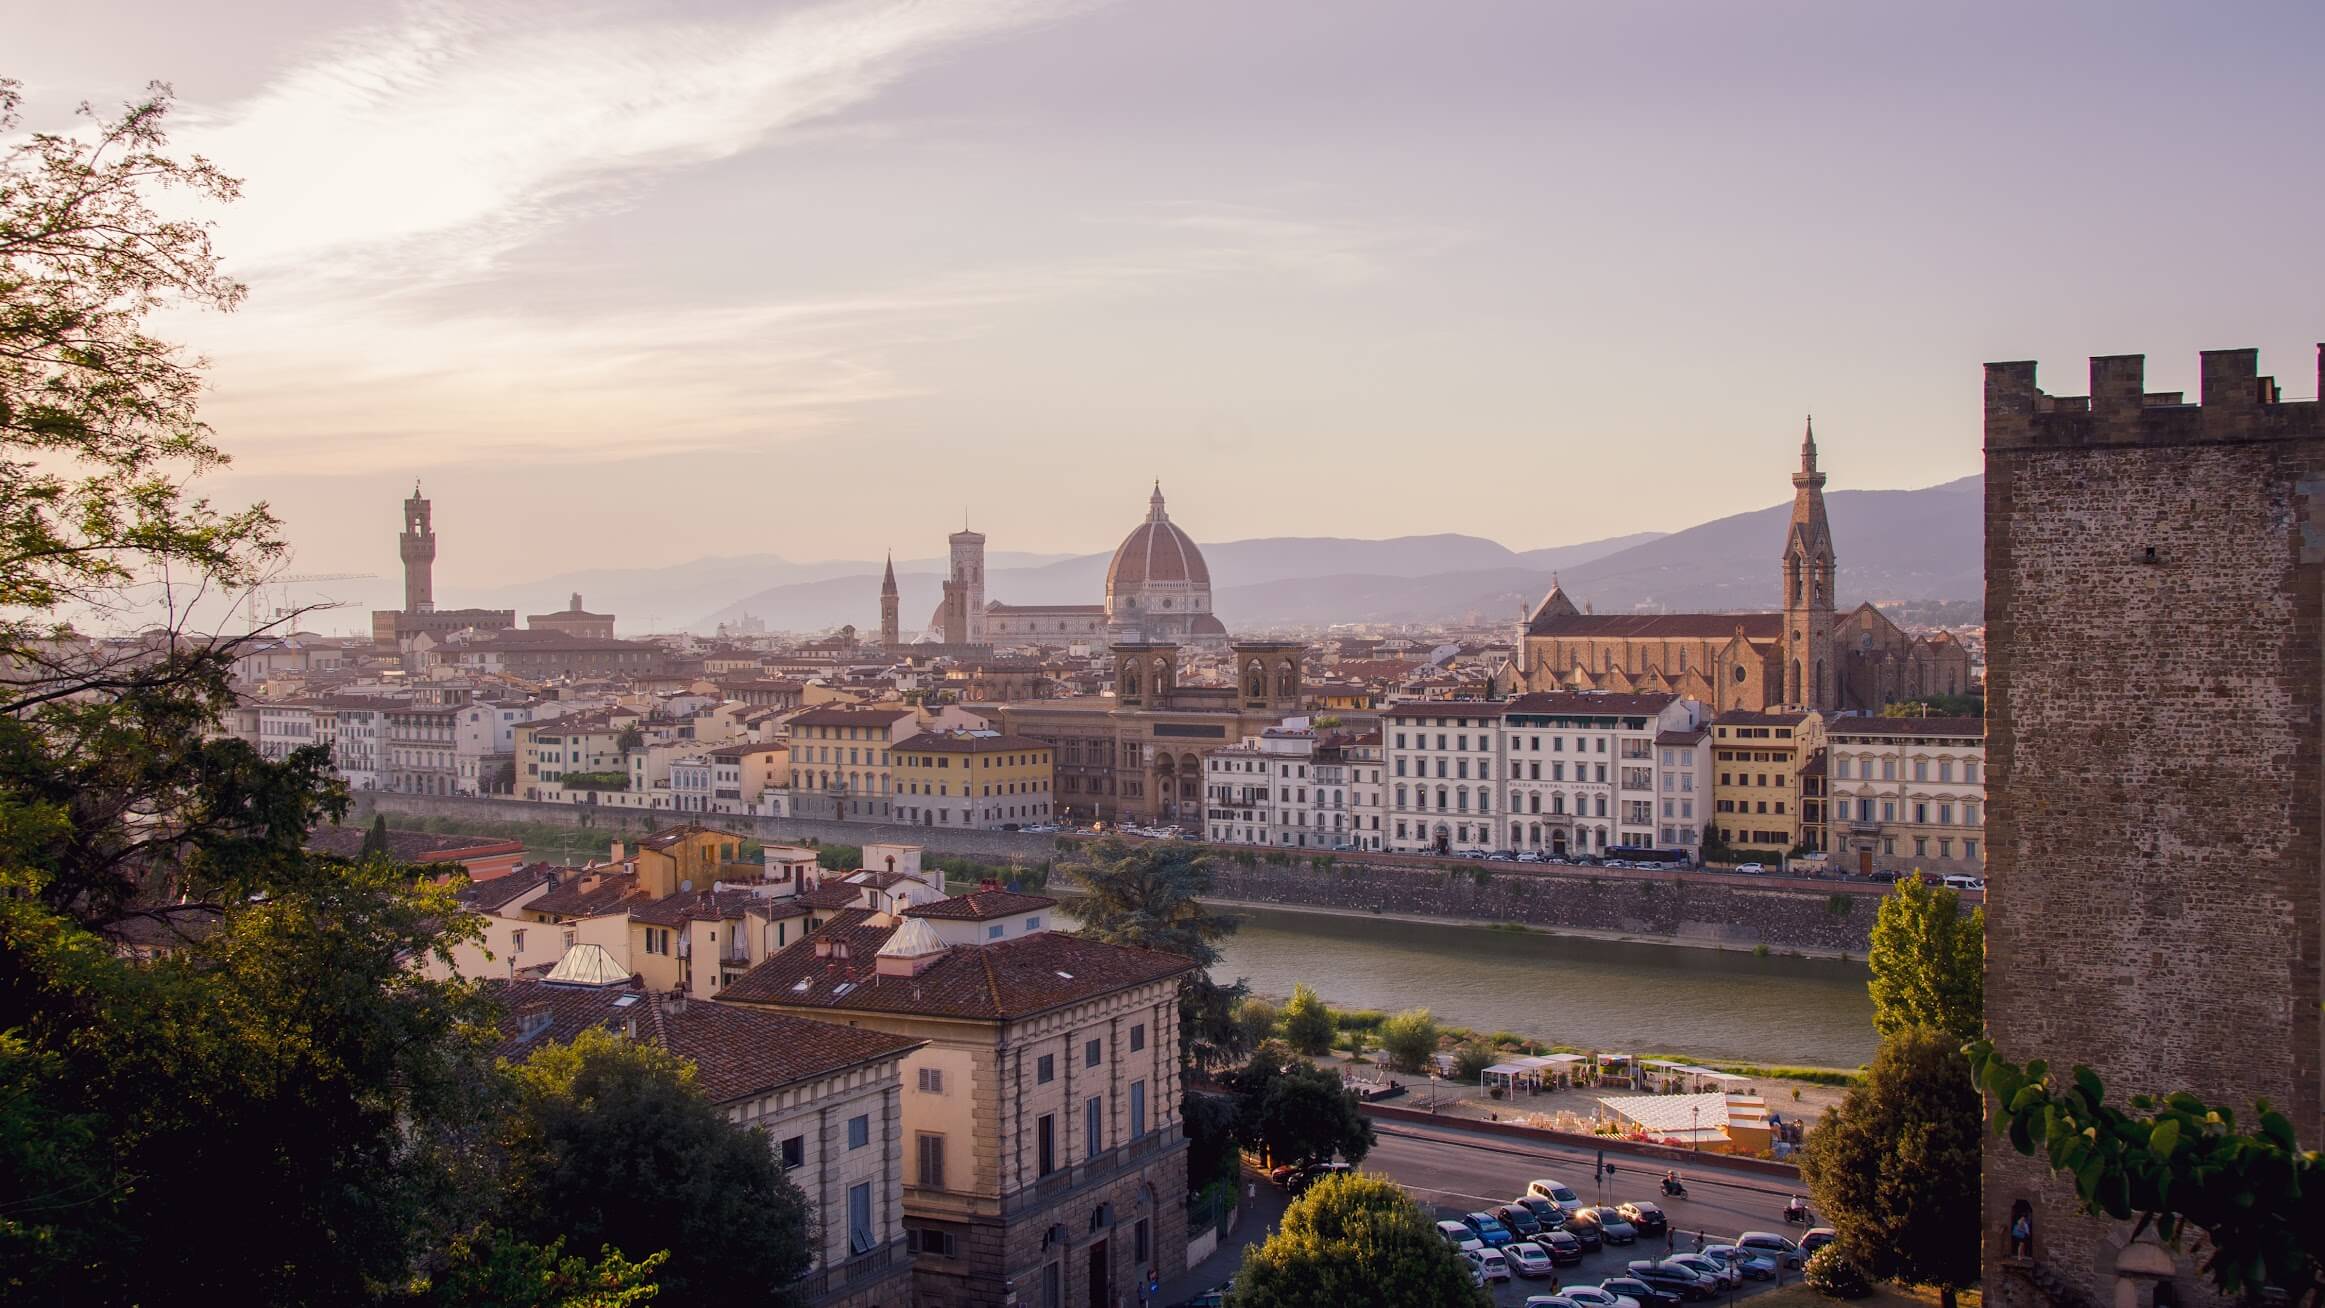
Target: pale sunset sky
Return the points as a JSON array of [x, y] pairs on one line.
[[632, 284]]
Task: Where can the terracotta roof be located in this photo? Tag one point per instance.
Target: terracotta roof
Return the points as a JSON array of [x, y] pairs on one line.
[[1574, 703], [1448, 708], [737, 1052], [1076, 610], [1955, 726], [411, 846], [494, 893], [831, 895], [1156, 550], [850, 717], [748, 749], [1001, 981], [982, 905], [1667, 626], [1756, 718], [693, 906], [1695, 737], [571, 900]]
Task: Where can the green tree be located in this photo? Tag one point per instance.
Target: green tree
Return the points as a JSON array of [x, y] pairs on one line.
[[491, 1269], [612, 1145], [1928, 962], [1409, 1038], [1894, 1167], [1258, 1019], [1308, 1024], [1471, 1060], [1292, 1111], [1149, 896], [1209, 1121], [375, 841], [2179, 1164], [1354, 1239], [630, 739]]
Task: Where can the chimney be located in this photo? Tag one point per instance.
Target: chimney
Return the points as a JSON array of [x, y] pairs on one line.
[[618, 852], [675, 1003]]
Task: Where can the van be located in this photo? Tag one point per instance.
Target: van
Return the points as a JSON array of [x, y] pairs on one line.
[[1960, 882]]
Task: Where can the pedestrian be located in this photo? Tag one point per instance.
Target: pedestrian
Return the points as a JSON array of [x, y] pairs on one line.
[[1699, 1242], [1670, 1236], [2021, 1237]]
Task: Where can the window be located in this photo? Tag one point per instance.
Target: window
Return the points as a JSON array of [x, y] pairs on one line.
[[792, 1152], [929, 1240], [1140, 1242], [1045, 1069], [860, 1219], [859, 1131], [1090, 1053], [994, 932], [1138, 1110], [932, 1080], [1045, 1135], [1137, 1037], [932, 1160], [1093, 1127], [517, 941]]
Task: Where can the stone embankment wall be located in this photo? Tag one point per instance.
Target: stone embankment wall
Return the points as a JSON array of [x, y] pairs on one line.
[[1709, 911], [1733, 912]]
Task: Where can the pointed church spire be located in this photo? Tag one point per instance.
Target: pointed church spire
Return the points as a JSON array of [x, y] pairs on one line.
[[888, 582], [1808, 447]]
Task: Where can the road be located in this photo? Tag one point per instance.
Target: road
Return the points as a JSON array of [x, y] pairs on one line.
[[1454, 1170]]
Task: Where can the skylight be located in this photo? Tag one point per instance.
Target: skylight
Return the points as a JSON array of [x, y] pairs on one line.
[[842, 988], [804, 983], [1067, 975], [625, 1001]]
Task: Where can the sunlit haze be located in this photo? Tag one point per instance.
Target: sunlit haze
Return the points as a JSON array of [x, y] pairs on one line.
[[629, 285]]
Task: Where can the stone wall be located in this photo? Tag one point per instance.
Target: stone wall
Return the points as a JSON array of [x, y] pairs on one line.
[[1696, 911], [2155, 578]]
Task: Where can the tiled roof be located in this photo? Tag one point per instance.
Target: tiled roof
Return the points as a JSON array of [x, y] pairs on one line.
[[850, 717], [1448, 708], [1665, 626], [571, 900], [831, 895], [1694, 737], [737, 1052], [410, 846], [1574, 703], [982, 905], [933, 742], [1757, 718], [1004, 980], [693, 906], [749, 748], [1956, 726], [494, 893]]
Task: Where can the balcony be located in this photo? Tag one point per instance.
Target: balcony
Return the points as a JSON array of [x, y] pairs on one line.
[[863, 1269], [1092, 1171]]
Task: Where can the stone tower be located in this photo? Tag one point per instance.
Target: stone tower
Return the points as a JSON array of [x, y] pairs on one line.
[[890, 629], [418, 547], [1808, 588], [1145, 672], [968, 581], [2155, 580], [1267, 674]]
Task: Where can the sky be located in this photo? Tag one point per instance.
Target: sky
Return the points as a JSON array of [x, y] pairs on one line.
[[636, 284]]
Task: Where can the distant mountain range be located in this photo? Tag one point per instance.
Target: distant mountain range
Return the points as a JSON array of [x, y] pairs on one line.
[[1923, 544]]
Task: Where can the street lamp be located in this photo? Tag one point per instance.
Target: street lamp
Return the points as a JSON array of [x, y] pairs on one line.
[[1432, 1089], [1695, 1123]]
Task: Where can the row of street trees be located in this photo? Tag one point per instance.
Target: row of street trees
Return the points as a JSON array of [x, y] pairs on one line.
[[221, 1078]]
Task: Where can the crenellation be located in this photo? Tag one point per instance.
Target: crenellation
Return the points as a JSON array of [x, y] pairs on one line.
[[2236, 404]]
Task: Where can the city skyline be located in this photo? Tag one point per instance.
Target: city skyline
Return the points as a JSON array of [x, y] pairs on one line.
[[1002, 251]]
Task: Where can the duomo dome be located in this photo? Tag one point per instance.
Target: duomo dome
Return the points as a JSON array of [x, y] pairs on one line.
[[1158, 587]]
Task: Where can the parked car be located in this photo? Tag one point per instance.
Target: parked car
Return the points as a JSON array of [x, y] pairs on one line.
[[1754, 1266], [1563, 1247], [1521, 1220], [1647, 1217], [1529, 1260], [1768, 1244], [1817, 1238], [1641, 1292], [1550, 1215], [1215, 1297], [1597, 1296], [1671, 1276], [1752, 869], [1549, 1301], [1501, 856], [1491, 1262], [1283, 1173], [1488, 1229], [1556, 1192], [1460, 1237], [1585, 1234], [1722, 1274], [1312, 1173], [1610, 1223]]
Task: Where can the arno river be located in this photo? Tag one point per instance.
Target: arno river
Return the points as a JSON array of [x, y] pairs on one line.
[[1602, 994]]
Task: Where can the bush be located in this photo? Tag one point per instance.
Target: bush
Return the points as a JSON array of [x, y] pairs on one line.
[[1257, 1017], [595, 781], [1470, 1062], [1359, 1019], [1506, 1040], [1308, 1025], [1831, 1274]]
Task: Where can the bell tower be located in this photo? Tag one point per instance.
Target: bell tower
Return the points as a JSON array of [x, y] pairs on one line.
[[890, 628], [418, 547], [1145, 672], [1809, 674]]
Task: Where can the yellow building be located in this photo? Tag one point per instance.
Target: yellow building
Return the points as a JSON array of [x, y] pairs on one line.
[[979, 779], [587, 742], [840, 760], [1761, 781]]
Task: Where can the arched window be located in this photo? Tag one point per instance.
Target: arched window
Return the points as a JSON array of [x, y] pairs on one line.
[[1258, 681], [1130, 680], [1288, 679]]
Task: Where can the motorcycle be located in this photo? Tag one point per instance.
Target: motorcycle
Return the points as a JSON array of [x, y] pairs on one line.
[[1675, 1189], [1799, 1215]]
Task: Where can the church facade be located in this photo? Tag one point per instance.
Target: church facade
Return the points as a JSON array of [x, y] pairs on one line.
[[1804, 656]]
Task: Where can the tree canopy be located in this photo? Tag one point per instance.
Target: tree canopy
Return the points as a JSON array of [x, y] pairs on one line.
[[1293, 1111], [1354, 1238], [1409, 1039], [2179, 1164], [1894, 1167], [1307, 1022], [1928, 962], [1148, 895]]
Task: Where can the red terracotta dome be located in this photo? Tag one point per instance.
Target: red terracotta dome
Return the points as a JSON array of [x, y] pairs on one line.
[[1156, 551]]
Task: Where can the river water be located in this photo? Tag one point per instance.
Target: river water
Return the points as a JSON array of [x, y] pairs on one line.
[[1575, 990]]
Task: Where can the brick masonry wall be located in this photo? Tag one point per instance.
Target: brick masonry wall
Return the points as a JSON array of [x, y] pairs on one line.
[[2153, 737]]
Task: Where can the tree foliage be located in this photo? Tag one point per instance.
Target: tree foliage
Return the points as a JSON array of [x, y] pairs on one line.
[[1928, 962], [2254, 1195], [1894, 1167], [1409, 1038], [1293, 1111], [492, 1269], [1149, 895], [375, 840], [611, 1145], [1354, 1239], [1307, 1022]]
